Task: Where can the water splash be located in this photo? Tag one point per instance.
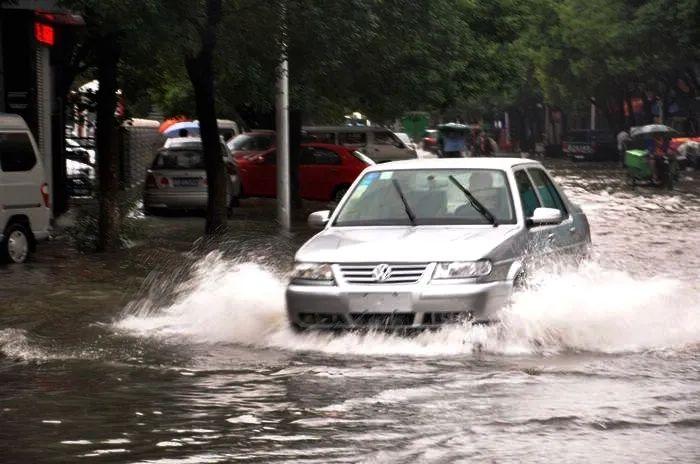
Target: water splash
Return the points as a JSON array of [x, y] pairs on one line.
[[592, 309], [15, 345]]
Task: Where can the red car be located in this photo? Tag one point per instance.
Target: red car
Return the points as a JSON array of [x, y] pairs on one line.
[[325, 171], [251, 143], [429, 141]]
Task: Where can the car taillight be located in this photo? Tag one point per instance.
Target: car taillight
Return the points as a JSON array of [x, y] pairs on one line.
[[151, 181], [205, 182], [45, 194], [164, 182]]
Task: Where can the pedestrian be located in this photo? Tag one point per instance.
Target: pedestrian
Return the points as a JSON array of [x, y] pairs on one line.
[[623, 138], [483, 145]]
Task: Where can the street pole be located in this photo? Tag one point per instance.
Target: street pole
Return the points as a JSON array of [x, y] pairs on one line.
[[592, 115], [282, 129]]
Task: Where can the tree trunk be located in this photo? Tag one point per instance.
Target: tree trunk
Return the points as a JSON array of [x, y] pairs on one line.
[[200, 69], [108, 54]]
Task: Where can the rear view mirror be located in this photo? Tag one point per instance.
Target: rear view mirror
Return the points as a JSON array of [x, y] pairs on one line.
[[319, 219], [543, 216]]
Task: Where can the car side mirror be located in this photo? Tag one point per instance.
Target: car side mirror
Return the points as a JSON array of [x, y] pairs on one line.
[[319, 219], [544, 216]]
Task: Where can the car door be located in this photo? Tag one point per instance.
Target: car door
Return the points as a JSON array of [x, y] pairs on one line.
[[21, 179], [549, 198], [540, 238], [319, 171]]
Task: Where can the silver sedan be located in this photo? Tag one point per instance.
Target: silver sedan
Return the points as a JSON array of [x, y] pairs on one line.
[[422, 243], [177, 179]]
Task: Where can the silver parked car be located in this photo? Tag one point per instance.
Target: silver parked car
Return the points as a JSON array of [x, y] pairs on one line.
[[178, 180], [422, 243]]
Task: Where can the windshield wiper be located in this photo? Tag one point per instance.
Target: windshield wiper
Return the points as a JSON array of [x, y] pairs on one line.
[[407, 208], [481, 209]]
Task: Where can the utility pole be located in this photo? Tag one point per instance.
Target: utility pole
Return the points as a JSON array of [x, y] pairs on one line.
[[282, 127]]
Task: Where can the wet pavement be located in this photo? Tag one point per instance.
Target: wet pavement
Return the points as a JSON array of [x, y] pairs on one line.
[[172, 352]]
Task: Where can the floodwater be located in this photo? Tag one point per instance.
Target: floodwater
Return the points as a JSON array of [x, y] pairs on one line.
[[196, 364]]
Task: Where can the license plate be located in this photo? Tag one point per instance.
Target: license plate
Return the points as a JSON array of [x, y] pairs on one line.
[[186, 182], [380, 302]]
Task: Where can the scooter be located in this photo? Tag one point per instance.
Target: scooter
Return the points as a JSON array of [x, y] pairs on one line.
[[639, 171]]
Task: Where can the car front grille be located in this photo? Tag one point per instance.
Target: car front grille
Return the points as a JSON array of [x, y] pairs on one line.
[[382, 273], [383, 319]]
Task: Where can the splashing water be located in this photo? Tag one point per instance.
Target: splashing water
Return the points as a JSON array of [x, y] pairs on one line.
[[593, 309]]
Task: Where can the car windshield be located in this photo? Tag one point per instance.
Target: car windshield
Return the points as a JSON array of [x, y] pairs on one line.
[[252, 142], [431, 196], [179, 159]]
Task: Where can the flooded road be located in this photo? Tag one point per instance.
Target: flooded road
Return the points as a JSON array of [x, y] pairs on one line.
[[180, 356]]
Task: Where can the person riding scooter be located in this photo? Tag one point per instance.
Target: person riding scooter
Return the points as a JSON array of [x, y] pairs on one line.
[[657, 147]]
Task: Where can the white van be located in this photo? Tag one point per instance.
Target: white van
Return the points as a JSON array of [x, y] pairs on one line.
[[378, 143], [24, 193]]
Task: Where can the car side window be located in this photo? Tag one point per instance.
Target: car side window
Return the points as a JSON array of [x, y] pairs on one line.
[[322, 156], [384, 138], [320, 137], [352, 138], [16, 152], [548, 193], [528, 197]]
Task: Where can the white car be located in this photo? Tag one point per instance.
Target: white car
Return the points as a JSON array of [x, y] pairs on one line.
[[24, 192], [380, 144], [417, 244]]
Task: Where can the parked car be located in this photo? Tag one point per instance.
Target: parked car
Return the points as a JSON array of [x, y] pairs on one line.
[[80, 169], [227, 129], [378, 143], [418, 244], [251, 143], [325, 172], [178, 180], [406, 139], [24, 192], [429, 142], [80, 178], [590, 145], [76, 152]]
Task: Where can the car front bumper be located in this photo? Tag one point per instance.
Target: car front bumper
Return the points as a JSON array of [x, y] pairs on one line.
[[394, 306]]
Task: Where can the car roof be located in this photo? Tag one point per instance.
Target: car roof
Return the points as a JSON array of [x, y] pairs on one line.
[[455, 163], [9, 121]]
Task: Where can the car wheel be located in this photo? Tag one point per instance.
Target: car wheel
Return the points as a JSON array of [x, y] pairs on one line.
[[16, 245], [296, 328]]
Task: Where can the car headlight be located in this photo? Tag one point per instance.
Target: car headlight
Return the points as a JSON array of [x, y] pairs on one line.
[[463, 269], [321, 273]]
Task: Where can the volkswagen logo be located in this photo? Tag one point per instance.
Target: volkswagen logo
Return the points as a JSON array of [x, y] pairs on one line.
[[381, 272]]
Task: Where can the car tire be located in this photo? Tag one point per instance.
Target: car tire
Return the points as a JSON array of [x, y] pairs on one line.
[[17, 244], [297, 328]]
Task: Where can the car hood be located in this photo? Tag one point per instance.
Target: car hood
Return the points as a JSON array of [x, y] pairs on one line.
[[404, 244]]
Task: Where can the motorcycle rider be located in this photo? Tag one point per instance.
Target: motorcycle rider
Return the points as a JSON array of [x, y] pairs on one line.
[[657, 148]]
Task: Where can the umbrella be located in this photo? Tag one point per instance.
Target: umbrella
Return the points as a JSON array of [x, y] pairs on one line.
[[169, 122], [651, 130], [192, 128], [453, 127]]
